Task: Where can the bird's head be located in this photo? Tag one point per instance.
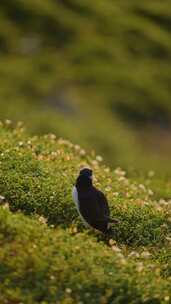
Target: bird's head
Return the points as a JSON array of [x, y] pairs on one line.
[[84, 179], [86, 172]]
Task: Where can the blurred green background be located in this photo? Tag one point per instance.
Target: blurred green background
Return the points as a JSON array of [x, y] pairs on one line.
[[95, 72]]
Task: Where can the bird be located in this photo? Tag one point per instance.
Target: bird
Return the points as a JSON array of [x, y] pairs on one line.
[[91, 203]]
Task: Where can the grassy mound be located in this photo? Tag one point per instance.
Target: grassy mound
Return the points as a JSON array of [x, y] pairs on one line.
[[37, 175], [47, 256], [40, 265]]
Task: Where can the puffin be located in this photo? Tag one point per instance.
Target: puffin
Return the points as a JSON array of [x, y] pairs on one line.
[[91, 203]]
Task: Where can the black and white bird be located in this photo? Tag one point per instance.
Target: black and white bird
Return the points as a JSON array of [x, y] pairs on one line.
[[91, 203]]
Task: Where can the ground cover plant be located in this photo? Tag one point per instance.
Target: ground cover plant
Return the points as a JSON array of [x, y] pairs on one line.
[[47, 256]]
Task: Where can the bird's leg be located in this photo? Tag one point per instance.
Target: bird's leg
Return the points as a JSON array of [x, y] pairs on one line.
[[109, 226]]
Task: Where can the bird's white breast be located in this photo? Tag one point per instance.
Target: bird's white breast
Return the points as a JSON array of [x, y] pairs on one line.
[[76, 201]]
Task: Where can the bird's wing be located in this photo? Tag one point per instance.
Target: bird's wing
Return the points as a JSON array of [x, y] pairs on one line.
[[89, 206], [94, 209], [103, 203]]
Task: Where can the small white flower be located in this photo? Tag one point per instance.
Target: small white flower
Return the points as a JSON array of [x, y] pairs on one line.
[[121, 179], [142, 187], [116, 248], [163, 202], [42, 220], [119, 172], [77, 147], [68, 290], [99, 158], [168, 238], [151, 173], [150, 192], [140, 267], [123, 261], [145, 255], [54, 153], [5, 206], [21, 143], [108, 188], [8, 122], [167, 298], [2, 198], [116, 194], [52, 136], [112, 242], [164, 226], [134, 254], [82, 152], [107, 170]]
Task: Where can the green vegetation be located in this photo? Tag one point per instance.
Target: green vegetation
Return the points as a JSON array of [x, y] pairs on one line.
[[95, 72], [47, 256], [41, 265]]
